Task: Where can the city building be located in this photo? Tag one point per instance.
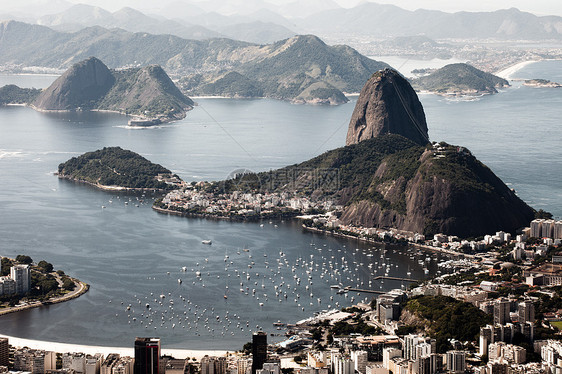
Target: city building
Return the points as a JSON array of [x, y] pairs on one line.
[[259, 350], [4, 352], [21, 274], [388, 354], [213, 365], [115, 364], [343, 365], [147, 356], [93, 364], [502, 307], [456, 361], [270, 368], [244, 366], [360, 360], [34, 361], [7, 286], [526, 311], [536, 228]]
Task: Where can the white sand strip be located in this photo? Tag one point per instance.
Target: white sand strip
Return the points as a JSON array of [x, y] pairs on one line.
[[508, 72], [92, 349]]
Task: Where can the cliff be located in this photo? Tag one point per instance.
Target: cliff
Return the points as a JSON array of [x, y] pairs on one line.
[[387, 104], [460, 79], [90, 84]]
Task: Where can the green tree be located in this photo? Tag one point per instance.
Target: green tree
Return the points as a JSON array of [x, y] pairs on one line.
[[45, 266], [23, 259], [68, 284], [6, 265]]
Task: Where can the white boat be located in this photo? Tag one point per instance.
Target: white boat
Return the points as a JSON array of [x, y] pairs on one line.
[[207, 241]]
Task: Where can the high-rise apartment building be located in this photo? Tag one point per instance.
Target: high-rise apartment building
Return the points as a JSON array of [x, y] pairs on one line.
[[259, 350], [501, 311], [526, 311], [147, 356], [456, 361], [21, 274], [4, 352]]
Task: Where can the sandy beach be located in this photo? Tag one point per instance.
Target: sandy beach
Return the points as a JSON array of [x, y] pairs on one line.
[[92, 349], [508, 72]]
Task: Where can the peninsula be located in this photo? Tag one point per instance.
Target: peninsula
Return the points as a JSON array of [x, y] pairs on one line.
[[389, 175], [28, 285], [113, 168]]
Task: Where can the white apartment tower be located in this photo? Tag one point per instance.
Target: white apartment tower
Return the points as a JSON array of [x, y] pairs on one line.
[[21, 274]]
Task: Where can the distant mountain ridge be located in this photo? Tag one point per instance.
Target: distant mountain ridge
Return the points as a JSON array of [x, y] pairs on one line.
[[383, 20], [145, 92], [283, 70], [203, 26], [202, 19]]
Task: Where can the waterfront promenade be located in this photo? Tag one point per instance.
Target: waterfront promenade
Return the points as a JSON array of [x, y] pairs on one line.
[[80, 289]]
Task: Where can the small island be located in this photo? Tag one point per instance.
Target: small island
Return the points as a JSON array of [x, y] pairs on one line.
[[541, 83], [26, 285], [114, 168], [147, 94], [459, 80]]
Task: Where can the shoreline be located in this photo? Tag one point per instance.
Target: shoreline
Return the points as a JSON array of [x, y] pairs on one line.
[[58, 347], [82, 289], [107, 188], [509, 71], [217, 217], [367, 240]]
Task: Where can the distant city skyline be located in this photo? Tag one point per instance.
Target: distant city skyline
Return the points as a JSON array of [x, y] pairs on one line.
[[538, 7]]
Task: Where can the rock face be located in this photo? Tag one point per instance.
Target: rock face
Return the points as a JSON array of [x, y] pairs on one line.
[[387, 105], [391, 182], [80, 86], [447, 190]]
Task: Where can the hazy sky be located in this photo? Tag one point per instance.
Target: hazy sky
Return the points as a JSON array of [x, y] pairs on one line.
[[539, 7]]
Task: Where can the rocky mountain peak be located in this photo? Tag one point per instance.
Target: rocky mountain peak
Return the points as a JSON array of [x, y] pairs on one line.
[[387, 105], [81, 85]]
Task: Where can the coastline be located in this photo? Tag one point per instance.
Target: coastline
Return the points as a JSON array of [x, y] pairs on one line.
[[509, 71], [92, 349], [107, 188], [82, 289], [364, 239]]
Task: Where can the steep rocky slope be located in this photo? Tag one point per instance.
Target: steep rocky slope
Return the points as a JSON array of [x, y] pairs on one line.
[[90, 84], [83, 85], [387, 105]]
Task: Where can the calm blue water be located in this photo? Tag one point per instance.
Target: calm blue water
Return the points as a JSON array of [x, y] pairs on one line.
[[125, 252]]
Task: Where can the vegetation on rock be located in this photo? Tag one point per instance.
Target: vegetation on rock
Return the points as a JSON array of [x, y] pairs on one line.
[[12, 94], [460, 79], [114, 166], [445, 318]]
